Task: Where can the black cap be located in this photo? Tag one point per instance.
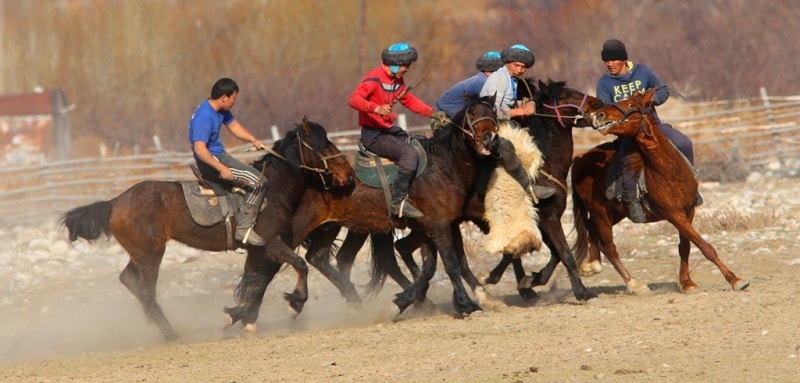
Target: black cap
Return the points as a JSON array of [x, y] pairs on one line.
[[614, 50]]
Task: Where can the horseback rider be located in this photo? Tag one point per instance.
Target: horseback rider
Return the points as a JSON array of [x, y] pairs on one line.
[[502, 83], [621, 80], [373, 98], [216, 165], [454, 100]]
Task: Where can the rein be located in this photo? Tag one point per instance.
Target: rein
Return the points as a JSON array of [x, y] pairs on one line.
[[556, 107]]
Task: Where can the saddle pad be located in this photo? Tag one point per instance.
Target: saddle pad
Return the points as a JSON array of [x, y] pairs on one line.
[[205, 206], [367, 172]]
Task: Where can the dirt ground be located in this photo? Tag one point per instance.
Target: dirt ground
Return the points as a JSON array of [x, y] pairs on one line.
[[84, 327]]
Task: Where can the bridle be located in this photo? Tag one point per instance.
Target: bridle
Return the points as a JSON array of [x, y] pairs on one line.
[[560, 117], [470, 123], [556, 108], [322, 172]]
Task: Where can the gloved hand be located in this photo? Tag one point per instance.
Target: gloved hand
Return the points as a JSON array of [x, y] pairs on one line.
[[439, 115], [439, 120]]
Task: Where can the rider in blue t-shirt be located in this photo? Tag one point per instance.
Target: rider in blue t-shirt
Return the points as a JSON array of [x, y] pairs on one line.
[[217, 165]]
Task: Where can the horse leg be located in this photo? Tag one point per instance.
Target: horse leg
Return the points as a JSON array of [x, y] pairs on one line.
[[688, 233], [593, 264], [406, 246], [417, 290], [383, 248], [279, 252], [446, 246], [555, 239], [318, 254], [346, 256], [601, 237], [141, 281], [258, 273], [497, 272]]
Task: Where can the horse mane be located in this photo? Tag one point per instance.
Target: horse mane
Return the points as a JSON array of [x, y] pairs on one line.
[[443, 139], [289, 148]]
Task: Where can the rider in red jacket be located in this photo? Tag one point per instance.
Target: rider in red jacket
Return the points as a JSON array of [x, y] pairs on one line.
[[373, 98]]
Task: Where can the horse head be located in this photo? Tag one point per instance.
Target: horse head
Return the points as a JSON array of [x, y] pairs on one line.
[[625, 117], [480, 124], [564, 103], [308, 148]]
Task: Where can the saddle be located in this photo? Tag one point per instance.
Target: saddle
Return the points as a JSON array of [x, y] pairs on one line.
[[211, 203]]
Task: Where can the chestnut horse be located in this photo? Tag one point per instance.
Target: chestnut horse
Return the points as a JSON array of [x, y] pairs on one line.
[[671, 190], [145, 216], [457, 156]]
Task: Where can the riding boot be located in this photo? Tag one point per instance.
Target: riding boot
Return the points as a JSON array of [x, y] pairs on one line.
[[401, 207], [635, 207], [698, 199], [543, 192], [246, 219]]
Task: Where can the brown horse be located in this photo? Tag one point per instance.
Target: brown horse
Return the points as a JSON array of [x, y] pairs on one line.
[[559, 109], [144, 217], [671, 190], [456, 158]]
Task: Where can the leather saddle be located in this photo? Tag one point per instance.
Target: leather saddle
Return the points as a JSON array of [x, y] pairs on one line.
[[211, 203]]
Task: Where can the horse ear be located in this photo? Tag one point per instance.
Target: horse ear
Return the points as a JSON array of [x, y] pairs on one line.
[[494, 98], [306, 127], [649, 97]]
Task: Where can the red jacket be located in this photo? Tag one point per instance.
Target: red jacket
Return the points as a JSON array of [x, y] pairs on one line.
[[378, 88]]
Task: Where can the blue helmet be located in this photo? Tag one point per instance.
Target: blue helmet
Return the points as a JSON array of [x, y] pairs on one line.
[[398, 54]]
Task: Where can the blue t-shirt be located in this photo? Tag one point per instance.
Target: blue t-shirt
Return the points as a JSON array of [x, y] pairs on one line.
[[454, 99], [205, 126]]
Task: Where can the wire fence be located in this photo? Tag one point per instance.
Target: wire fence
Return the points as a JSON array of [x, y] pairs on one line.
[[735, 136]]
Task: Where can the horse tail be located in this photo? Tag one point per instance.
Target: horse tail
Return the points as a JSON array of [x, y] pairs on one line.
[[89, 221], [382, 259], [580, 216]]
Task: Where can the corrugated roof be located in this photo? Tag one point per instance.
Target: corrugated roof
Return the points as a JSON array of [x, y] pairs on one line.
[[27, 104]]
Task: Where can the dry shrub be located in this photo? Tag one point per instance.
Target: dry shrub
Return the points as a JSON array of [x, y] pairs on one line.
[[726, 218], [721, 165]]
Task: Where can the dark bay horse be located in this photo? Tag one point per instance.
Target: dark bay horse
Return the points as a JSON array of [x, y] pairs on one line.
[[147, 215], [671, 191], [558, 110], [456, 157]]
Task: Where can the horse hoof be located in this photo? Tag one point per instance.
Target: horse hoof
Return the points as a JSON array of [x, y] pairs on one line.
[[740, 285], [594, 301], [528, 295], [525, 283], [635, 288], [227, 321], [354, 306], [394, 312], [590, 268], [474, 314], [250, 328]]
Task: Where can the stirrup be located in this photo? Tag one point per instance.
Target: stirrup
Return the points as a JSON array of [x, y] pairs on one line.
[[405, 208], [251, 238]]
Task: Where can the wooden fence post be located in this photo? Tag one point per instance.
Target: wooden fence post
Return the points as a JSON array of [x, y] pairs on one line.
[[772, 126]]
